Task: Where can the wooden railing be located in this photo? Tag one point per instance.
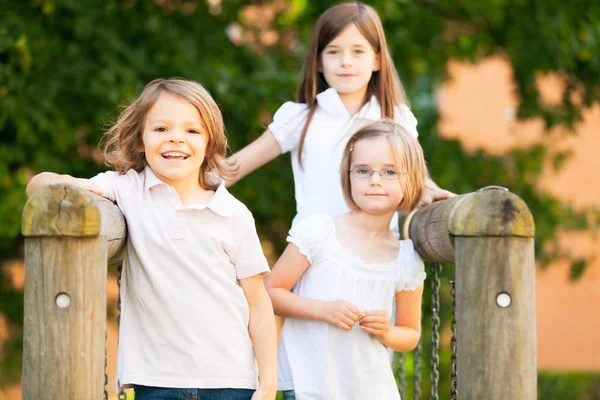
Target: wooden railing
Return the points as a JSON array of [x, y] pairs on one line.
[[71, 236]]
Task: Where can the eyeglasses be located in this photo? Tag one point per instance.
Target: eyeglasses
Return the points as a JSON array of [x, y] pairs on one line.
[[363, 173]]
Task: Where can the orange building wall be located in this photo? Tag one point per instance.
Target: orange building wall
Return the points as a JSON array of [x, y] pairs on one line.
[[477, 107]]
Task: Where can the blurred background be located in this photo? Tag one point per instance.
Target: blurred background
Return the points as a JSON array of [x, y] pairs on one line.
[[506, 93]]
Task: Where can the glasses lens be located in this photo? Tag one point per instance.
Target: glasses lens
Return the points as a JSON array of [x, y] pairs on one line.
[[389, 173], [360, 172]]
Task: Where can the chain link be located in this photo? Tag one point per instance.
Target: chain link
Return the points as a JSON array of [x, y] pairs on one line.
[[400, 372], [417, 371], [105, 364], [436, 268], [453, 357]]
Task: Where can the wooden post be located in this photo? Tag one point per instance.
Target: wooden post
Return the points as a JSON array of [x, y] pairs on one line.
[[69, 236], [489, 236]]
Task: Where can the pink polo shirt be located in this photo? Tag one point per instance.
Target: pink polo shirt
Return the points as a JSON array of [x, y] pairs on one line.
[[184, 318]]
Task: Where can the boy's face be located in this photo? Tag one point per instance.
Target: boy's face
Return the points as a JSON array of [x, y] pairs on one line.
[[174, 141]]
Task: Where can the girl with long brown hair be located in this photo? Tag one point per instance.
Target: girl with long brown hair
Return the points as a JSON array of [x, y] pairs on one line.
[[348, 79]]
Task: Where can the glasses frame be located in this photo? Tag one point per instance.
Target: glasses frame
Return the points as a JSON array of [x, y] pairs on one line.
[[380, 172]]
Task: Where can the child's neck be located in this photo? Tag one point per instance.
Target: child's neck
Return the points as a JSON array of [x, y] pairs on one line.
[[371, 224], [353, 102]]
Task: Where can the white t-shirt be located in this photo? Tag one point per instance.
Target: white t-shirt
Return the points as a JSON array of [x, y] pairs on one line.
[[321, 361], [184, 318], [317, 184]]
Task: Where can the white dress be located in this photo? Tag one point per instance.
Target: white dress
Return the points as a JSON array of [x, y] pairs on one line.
[[321, 361]]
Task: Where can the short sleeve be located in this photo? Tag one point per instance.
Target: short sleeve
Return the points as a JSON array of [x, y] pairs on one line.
[[309, 233], [248, 259], [412, 271], [287, 125], [107, 181], [405, 117]]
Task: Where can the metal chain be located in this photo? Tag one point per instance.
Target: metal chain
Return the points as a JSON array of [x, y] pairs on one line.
[[105, 364], [417, 371], [400, 372], [436, 268], [453, 374], [122, 394]]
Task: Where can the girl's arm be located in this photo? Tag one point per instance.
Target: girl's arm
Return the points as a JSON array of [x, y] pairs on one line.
[[48, 178], [285, 273], [262, 333], [254, 156], [404, 336]]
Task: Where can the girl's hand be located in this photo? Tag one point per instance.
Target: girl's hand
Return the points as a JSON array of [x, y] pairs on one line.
[[435, 194], [377, 323], [340, 313], [263, 393]]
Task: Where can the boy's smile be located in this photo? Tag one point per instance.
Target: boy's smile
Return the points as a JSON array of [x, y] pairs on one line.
[[175, 142]]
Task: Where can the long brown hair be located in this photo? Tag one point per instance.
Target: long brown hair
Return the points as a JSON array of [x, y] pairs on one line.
[[384, 84], [122, 141]]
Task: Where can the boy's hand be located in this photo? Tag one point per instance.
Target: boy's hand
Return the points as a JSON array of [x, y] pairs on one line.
[[377, 323], [340, 313], [263, 393], [87, 184]]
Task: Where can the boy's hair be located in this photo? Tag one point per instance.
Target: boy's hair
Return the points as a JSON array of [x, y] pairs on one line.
[[123, 141], [384, 84], [408, 159]]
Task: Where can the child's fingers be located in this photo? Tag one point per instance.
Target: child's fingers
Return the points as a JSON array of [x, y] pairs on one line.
[[374, 318], [375, 325], [354, 309], [344, 324], [376, 332], [353, 316]]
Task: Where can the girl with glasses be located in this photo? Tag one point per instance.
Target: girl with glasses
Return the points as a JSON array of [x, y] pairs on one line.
[[338, 279]]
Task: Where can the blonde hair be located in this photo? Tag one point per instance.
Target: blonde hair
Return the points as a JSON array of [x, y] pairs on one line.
[[385, 84], [122, 142], [408, 159]]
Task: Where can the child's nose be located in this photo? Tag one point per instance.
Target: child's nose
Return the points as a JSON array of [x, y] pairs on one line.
[[376, 178], [177, 136], [346, 59]]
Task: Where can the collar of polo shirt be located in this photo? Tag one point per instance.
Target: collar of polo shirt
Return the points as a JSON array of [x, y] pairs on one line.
[[221, 203]]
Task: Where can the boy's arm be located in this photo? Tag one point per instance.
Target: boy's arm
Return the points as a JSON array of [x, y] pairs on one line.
[[262, 332], [48, 178], [285, 273], [404, 336], [254, 156]]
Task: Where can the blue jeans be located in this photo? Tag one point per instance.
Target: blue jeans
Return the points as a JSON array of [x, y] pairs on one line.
[[289, 395], [157, 393]]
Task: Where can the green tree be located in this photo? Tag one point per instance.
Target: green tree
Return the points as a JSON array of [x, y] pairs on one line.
[[66, 67]]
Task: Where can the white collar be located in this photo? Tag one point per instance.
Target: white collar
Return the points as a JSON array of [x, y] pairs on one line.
[[221, 203], [330, 101]]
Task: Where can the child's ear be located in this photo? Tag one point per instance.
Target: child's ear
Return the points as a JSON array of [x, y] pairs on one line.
[[377, 63]]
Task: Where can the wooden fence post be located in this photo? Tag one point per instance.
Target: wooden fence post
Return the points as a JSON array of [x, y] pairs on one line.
[[489, 236], [69, 236]]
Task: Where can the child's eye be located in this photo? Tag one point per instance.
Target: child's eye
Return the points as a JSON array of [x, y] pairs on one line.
[[193, 131], [332, 52], [160, 129], [390, 172], [359, 51], [363, 171]]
